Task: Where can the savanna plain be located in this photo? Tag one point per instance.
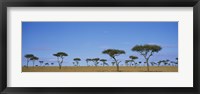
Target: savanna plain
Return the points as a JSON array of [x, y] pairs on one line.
[[100, 69]]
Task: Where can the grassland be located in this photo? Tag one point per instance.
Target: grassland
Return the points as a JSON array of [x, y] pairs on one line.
[[99, 69]]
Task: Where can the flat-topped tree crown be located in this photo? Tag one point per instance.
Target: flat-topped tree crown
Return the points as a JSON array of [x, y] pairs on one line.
[[56, 55], [29, 55], [60, 54], [77, 59], [146, 48], [103, 60], [96, 59], [88, 59], [126, 61], [34, 58], [133, 57], [113, 52]]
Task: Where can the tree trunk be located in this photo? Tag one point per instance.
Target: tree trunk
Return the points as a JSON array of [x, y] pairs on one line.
[[33, 64], [117, 67], [59, 66], [96, 64], [134, 63], [116, 64], [61, 63], [58, 59], [27, 63], [76, 63], [147, 64]]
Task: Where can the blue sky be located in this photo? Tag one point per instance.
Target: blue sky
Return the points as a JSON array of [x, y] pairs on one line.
[[89, 39]]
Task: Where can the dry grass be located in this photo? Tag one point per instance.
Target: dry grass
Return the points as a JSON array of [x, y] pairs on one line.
[[99, 69]]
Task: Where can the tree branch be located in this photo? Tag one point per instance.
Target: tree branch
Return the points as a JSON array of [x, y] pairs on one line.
[[150, 54], [143, 54]]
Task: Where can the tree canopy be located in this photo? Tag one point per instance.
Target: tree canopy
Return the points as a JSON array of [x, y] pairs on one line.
[[103, 60], [146, 48], [133, 57], [96, 59], [77, 59], [113, 52], [29, 55], [34, 58], [88, 59], [60, 54]]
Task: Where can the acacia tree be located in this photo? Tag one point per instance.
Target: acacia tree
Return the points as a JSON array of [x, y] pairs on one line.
[[165, 63], [88, 60], [147, 51], [41, 62], [140, 63], [47, 64], [28, 57], [95, 60], [77, 61], [74, 63], [103, 61], [159, 62], [60, 56], [126, 62], [176, 61], [133, 59], [113, 53], [172, 63], [153, 63], [34, 58], [113, 63], [106, 64]]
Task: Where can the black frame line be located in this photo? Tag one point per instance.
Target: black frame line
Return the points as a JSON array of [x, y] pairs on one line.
[[99, 3]]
